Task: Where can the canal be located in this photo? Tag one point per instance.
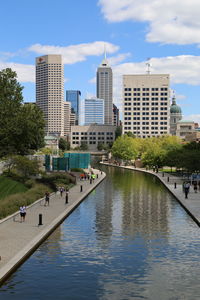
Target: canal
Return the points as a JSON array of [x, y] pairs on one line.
[[129, 239]]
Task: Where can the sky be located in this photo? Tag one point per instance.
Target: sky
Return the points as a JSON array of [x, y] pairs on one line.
[[164, 33]]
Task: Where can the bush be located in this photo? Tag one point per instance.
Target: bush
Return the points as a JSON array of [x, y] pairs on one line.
[[56, 179], [77, 170], [11, 204]]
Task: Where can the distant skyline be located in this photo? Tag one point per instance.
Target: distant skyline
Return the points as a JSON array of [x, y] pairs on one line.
[[167, 34]]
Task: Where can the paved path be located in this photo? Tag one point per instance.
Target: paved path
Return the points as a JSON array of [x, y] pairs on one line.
[[191, 205], [20, 239]]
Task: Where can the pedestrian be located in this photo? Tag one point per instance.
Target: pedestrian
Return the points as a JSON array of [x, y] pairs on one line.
[[186, 189], [61, 191], [24, 213], [46, 199], [21, 212], [195, 186]]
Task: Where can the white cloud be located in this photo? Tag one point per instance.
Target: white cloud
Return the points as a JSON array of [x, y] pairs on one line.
[[75, 53], [195, 118], [25, 73], [92, 80], [183, 69], [171, 21], [113, 60]]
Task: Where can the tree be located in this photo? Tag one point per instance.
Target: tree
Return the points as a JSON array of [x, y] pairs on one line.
[[63, 144], [130, 134], [124, 148], [23, 166], [29, 134], [100, 146], [10, 102], [84, 146], [118, 131], [21, 126]]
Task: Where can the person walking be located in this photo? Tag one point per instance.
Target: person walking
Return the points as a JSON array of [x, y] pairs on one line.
[[186, 189], [195, 186], [21, 212], [24, 213], [46, 199], [61, 191]]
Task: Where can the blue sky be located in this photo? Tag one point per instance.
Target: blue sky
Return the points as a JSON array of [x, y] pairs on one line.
[[167, 32]]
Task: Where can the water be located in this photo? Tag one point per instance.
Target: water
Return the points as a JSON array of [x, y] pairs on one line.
[[129, 239]]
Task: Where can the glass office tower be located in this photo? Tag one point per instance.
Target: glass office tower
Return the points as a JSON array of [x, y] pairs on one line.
[[73, 96], [94, 111]]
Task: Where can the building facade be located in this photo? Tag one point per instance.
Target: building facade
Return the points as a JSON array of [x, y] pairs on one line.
[[105, 90], [175, 116], [67, 115], [73, 96], [146, 104], [184, 128], [50, 92], [92, 135], [94, 111], [115, 115]]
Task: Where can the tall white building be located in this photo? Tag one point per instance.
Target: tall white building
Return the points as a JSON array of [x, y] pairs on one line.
[[146, 104], [94, 111], [50, 92], [67, 117], [105, 90]]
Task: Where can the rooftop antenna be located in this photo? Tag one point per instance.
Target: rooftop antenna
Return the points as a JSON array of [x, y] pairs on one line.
[[148, 66], [105, 51]]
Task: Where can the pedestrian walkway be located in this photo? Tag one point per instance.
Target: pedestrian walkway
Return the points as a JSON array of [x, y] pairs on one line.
[[18, 240], [175, 186]]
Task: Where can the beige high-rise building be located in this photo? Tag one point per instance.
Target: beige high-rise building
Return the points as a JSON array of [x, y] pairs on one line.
[[50, 92], [67, 116], [105, 89], [146, 104]]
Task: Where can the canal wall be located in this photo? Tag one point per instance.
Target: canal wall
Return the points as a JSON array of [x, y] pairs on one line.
[[20, 240], [191, 205]]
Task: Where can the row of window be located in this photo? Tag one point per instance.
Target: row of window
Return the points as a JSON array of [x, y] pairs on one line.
[[92, 133], [147, 99], [146, 89], [145, 94], [144, 103], [145, 113], [92, 138], [128, 128]]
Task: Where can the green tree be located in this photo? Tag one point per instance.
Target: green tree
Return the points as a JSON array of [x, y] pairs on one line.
[[63, 144], [118, 131], [10, 102], [100, 146], [124, 148], [84, 146], [23, 166], [29, 134], [130, 134], [21, 126]]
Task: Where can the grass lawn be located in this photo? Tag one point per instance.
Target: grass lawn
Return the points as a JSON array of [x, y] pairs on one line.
[[9, 187]]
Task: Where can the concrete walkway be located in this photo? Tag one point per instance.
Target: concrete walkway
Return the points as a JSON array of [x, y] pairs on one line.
[[191, 205], [19, 240]]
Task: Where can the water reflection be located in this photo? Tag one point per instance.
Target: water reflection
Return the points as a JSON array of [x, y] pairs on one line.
[[128, 240]]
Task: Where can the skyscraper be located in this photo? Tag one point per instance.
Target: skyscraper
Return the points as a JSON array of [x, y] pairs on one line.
[[146, 104], [67, 115], [73, 96], [115, 115], [50, 92], [94, 111], [105, 90]]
